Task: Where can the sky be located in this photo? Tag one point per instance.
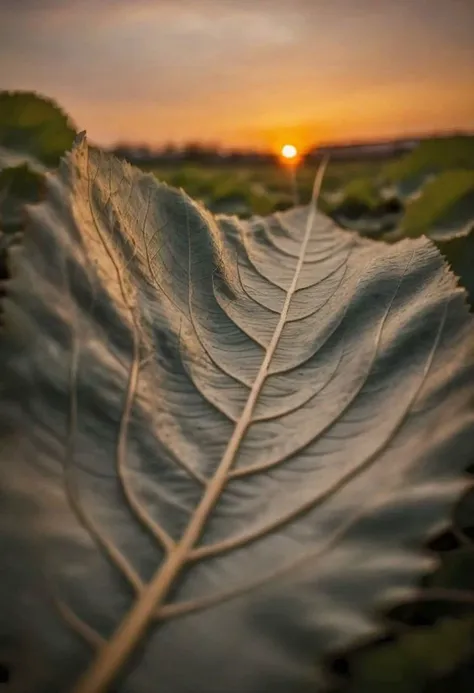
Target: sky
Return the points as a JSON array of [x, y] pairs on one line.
[[251, 73]]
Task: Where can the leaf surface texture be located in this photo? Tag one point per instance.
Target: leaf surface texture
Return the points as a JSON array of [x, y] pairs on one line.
[[223, 441]]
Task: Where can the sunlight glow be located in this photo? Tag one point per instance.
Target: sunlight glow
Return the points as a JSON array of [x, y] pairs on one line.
[[289, 151]]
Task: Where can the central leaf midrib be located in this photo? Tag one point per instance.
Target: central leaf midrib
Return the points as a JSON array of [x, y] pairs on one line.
[[115, 652]]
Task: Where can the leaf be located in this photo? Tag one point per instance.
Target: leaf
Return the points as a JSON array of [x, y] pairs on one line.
[[415, 659], [459, 252], [364, 190], [34, 134], [11, 159], [410, 188], [456, 570], [222, 442], [430, 157], [18, 186], [444, 209], [33, 129]]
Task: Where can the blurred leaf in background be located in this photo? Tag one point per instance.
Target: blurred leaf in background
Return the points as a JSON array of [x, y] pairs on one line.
[[34, 134], [34, 127]]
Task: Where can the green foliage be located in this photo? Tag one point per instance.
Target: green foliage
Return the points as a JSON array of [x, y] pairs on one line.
[[444, 211], [414, 659], [34, 134], [223, 442], [260, 190], [19, 185], [459, 252], [224, 190], [432, 156], [364, 190], [34, 126], [434, 183], [444, 207]]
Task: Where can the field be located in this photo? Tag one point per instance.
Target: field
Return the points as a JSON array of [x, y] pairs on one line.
[[262, 189]]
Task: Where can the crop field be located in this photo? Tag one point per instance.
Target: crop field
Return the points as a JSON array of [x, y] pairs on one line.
[[236, 433], [259, 190]]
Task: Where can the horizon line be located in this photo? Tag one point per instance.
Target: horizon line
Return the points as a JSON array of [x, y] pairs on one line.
[[342, 143]]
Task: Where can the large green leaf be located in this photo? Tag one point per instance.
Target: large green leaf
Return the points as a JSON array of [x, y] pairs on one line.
[[430, 157], [34, 134], [222, 442], [33, 129], [444, 209]]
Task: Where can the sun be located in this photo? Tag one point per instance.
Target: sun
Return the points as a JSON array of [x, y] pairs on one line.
[[289, 151]]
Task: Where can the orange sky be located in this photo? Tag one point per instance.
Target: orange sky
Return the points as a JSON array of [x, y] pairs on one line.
[[242, 72]]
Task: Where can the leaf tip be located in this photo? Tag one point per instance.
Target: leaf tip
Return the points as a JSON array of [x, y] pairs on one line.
[[80, 138]]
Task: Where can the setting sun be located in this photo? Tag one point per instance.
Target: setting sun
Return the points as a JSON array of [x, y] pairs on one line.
[[289, 151]]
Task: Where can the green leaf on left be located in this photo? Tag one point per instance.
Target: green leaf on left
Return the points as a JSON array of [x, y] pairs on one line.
[[33, 128]]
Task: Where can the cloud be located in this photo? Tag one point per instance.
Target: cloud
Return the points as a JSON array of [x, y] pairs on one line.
[[215, 65]]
